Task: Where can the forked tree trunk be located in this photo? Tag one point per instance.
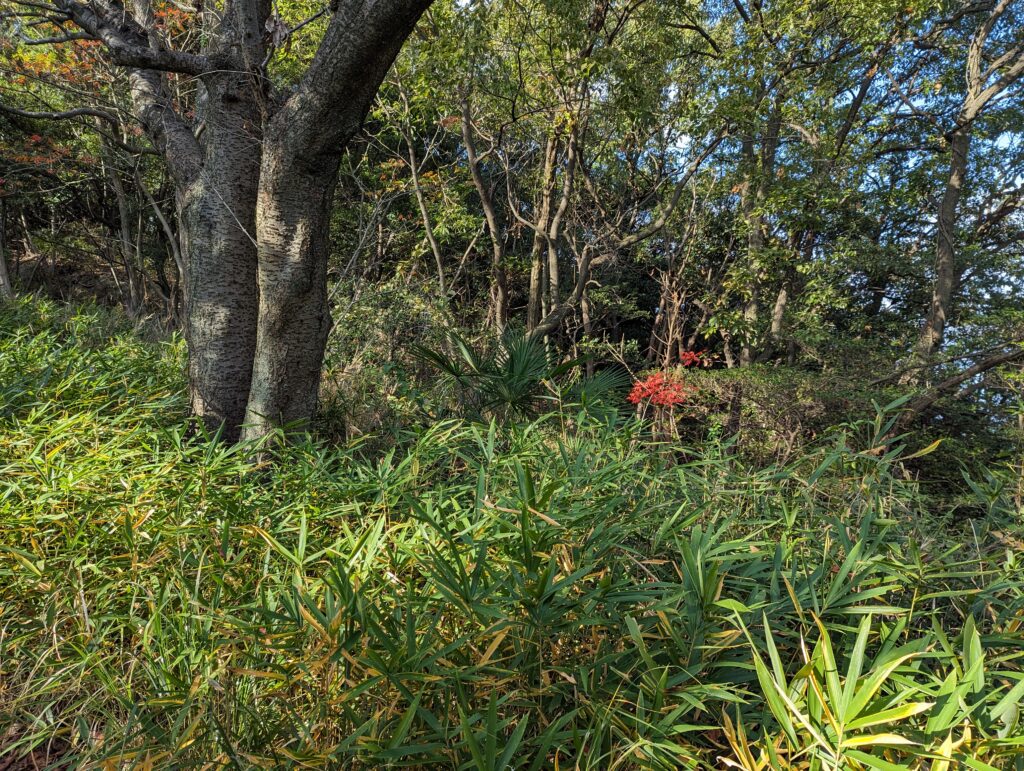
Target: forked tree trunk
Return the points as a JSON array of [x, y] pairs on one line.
[[254, 176]]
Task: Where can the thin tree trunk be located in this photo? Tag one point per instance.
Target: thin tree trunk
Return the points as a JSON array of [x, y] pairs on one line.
[[727, 353], [132, 299], [535, 306], [754, 240], [734, 421], [29, 249], [879, 284], [428, 229], [17, 263], [946, 270], [555, 228], [986, 81], [6, 290], [674, 333], [588, 328], [753, 201], [499, 280], [178, 289], [778, 313], [51, 254], [657, 342]]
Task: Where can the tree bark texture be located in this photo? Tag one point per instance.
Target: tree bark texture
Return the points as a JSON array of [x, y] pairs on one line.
[[217, 207]]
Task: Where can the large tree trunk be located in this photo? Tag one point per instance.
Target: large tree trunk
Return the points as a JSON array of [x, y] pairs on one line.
[[253, 180], [947, 274], [302, 150], [218, 225], [293, 216], [215, 168]]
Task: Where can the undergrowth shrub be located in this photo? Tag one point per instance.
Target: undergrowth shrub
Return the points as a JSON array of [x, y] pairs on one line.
[[547, 593]]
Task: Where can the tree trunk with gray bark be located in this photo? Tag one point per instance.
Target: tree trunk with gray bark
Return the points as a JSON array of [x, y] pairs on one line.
[[303, 145], [254, 174]]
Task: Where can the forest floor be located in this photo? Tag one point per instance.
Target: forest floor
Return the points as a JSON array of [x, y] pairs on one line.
[[557, 592]]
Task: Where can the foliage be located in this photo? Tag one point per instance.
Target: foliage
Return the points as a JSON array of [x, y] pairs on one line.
[[491, 553], [803, 241], [484, 595], [514, 378]]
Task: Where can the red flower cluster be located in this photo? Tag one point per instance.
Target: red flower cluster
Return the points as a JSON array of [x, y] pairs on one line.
[[693, 359], [662, 391]]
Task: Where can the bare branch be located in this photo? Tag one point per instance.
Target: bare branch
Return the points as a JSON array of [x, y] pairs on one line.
[[660, 221], [949, 385], [68, 38], [64, 115]]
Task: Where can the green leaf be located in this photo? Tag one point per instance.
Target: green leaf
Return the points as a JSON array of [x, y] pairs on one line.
[[892, 715]]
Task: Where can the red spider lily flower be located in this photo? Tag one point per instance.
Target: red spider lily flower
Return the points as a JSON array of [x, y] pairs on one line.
[[693, 359], [660, 390]]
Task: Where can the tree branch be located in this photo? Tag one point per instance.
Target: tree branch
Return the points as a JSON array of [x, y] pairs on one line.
[[947, 386], [694, 165], [64, 115], [327, 108], [127, 42]]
